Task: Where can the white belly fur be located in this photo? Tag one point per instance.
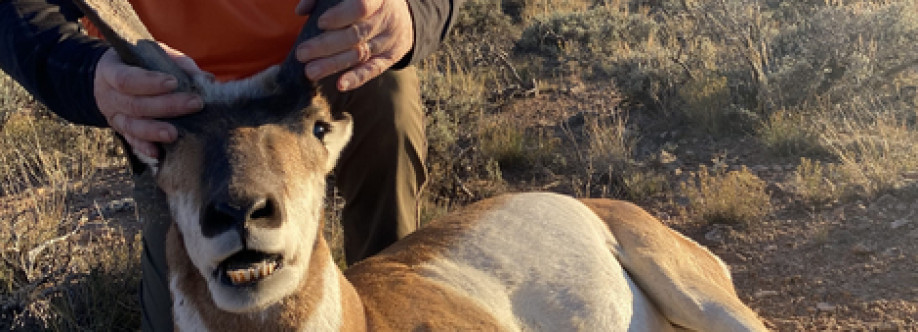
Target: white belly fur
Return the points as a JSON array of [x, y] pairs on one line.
[[542, 261]]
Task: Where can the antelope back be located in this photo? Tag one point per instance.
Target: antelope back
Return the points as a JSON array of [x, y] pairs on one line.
[[245, 178]]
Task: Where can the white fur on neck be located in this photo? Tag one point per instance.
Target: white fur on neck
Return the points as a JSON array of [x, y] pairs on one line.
[[328, 313], [184, 314]]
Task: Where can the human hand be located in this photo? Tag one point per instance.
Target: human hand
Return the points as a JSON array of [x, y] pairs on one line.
[[132, 98], [362, 38]]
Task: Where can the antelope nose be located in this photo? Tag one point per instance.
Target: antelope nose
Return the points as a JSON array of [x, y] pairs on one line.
[[223, 215]]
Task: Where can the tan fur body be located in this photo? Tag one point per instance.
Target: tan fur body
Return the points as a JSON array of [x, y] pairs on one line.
[[556, 280]]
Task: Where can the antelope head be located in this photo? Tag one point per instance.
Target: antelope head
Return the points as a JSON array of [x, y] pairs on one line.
[[245, 178]]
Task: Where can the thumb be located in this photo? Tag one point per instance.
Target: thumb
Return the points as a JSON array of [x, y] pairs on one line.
[[304, 7]]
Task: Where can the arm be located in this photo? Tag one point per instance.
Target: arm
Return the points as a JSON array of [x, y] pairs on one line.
[[82, 80], [432, 20], [42, 48]]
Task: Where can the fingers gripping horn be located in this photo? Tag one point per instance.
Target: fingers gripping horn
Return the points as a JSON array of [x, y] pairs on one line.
[[119, 24], [292, 72]]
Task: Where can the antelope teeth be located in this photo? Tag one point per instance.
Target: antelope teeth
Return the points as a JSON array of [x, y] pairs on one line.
[[251, 274]]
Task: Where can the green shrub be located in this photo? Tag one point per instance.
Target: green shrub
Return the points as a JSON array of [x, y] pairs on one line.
[[608, 42], [707, 105], [843, 53]]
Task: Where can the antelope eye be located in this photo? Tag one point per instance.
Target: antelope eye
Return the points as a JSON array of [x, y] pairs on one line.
[[320, 129]]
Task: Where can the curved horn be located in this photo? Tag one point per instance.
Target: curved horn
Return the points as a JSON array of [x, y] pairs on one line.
[[292, 71]]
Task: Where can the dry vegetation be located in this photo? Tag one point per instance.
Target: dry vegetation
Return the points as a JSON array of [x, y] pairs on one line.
[[782, 134]]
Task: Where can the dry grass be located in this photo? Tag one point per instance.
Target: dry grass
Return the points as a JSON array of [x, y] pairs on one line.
[[875, 152], [787, 134], [49, 279], [513, 147], [818, 183], [719, 197]]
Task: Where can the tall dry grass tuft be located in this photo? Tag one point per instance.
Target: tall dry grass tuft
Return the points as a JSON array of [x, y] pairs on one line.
[[513, 147], [786, 134], [721, 197], [605, 155], [818, 183], [102, 296], [875, 151]]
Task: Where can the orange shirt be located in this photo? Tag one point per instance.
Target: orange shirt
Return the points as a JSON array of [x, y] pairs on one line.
[[230, 38]]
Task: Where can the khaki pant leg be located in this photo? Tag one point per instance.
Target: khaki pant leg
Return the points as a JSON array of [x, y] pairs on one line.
[[381, 171], [153, 211]]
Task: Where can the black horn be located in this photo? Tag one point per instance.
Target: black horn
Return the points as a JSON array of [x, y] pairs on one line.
[[292, 71]]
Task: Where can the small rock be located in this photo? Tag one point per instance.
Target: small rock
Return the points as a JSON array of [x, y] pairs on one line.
[[899, 223], [771, 247], [715, 235], [666, 158], [886, 327], [740, 258], [765, 293], [902, 207], [892, 252], [825, 307], [861, 249]]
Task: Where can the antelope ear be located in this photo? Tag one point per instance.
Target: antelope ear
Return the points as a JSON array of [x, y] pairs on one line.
[[337, 138]]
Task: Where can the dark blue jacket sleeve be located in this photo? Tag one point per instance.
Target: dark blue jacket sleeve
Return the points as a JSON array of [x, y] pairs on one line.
[[42, 47], [432, 20]]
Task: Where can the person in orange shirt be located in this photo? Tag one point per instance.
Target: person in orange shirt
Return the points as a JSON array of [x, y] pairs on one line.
[[368, 48]]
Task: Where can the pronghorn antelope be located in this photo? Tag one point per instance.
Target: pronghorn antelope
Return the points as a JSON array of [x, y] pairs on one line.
[[245, 184]]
